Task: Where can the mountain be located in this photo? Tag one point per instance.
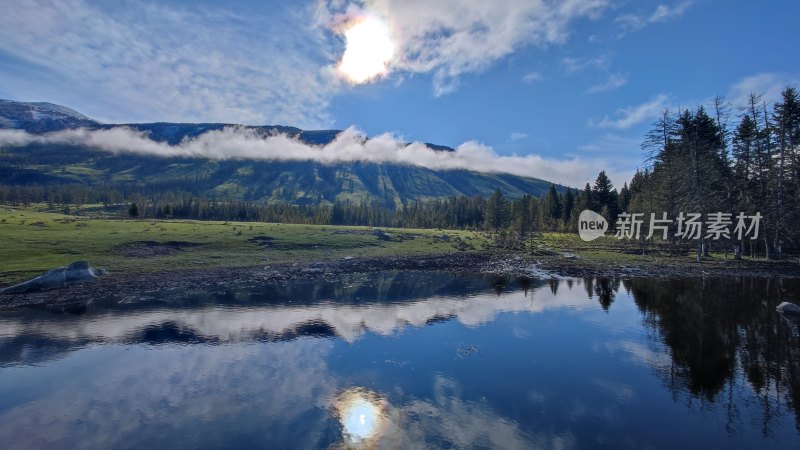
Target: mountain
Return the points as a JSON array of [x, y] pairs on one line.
[[297, 182], [41, 117]]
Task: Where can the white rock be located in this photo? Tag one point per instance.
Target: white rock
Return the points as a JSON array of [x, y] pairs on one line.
[[77, 272], [788, 308]]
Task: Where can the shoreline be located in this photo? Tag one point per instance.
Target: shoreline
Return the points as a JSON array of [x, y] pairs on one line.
[[124, 287]]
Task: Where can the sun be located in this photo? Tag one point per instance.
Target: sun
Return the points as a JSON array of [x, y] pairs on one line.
[[368, 50]]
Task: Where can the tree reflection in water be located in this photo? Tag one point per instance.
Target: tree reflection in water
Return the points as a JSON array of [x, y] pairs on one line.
[[724, 338], [604, 288]]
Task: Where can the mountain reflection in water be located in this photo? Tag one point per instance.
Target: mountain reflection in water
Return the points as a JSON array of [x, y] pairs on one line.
[[455, 361]]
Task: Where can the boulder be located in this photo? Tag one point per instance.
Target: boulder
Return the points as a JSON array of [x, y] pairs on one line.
[[382, 235], [788, 308], [77, 272]]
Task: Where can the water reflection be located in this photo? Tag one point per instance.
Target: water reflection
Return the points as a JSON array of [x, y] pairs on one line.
[[362, 414], [340, 309], [386, 360], [604, 289], [725, 341]]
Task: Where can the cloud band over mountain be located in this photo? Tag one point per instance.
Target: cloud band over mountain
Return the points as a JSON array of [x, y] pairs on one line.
[[349, 146]]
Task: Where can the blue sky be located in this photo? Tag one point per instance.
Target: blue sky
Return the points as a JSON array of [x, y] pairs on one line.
[[576, 82]]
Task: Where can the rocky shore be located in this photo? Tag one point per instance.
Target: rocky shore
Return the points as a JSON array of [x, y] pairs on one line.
[[127, 286]]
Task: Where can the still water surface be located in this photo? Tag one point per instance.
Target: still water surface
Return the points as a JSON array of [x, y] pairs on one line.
[[411, 360]]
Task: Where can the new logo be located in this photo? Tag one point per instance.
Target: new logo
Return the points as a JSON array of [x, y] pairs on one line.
[[591, 225]]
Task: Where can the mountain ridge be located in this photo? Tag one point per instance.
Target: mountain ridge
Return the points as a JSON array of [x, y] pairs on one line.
[[23, 116], [294, 182]]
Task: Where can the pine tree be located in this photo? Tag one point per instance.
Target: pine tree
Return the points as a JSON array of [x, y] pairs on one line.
[[555, 209], [624, 198], [588, 198], [605, 197], [569, 205], [497, 211], [744, 142], [787, 127]]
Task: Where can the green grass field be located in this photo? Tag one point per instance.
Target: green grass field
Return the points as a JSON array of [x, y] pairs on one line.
[[32, 241]]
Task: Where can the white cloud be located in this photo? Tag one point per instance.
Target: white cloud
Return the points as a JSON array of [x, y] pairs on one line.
[[613, 144], [614, 81], [624, 151], [630, 22], [532, 77], [190, 64], [767, 85], [349, 146], [572, 65], [517, 136], [601, 63], [633, 115], [663, 13], [133, 62], [449, 38]]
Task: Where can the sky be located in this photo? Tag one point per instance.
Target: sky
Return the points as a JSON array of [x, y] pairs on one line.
[[569, 86]]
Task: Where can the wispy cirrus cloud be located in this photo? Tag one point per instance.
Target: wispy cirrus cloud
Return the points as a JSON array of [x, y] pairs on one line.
[[666, 12], [662, 13], [139, 61], [186, 63], [614, 81], [614, 145], [601, 63], [449, 38], [634, 115], [576, 64], [532, 77], [767, 85]]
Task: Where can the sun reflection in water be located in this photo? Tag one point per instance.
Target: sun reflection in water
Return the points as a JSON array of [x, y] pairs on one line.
[[362, 414]]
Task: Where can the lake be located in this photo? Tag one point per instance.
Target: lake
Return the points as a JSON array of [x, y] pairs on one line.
[[411, 360]]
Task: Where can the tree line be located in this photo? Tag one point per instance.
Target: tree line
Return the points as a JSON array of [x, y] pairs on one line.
[[702, 161], [554, 211]]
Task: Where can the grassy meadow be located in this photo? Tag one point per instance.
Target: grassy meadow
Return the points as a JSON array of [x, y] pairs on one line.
[[33, 241]]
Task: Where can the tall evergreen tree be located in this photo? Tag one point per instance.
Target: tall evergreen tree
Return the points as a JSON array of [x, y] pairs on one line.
[[496, 211], [624, 198], [555, 209], [569, 205], [605, 197], [588, 198], [787, 127], [743, 149]]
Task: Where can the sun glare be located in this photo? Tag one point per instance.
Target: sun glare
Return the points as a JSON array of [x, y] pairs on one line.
[[368, 52], [362, 414]]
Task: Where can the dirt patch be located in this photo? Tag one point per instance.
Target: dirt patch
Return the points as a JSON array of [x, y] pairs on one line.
[[149, 249], [264, 241], [362, 232], [268, 242]]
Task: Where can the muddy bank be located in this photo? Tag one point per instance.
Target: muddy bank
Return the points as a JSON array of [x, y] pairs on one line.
[[129, 287]]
